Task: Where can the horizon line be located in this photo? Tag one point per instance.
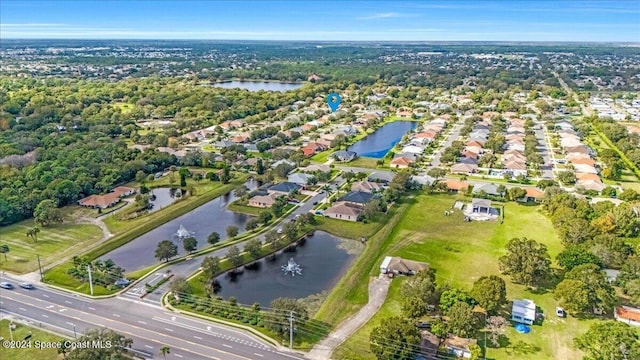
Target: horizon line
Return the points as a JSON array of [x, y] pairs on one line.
[[336, 41]]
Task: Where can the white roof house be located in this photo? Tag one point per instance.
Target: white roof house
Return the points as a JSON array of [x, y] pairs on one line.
[[523, 311]]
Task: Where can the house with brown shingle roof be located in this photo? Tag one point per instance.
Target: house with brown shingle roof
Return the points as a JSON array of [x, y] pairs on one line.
[[106, 200], [455, 185], [344, 211]]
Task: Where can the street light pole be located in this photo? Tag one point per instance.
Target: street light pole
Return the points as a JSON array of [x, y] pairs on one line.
[[11, 330], [74, 332]]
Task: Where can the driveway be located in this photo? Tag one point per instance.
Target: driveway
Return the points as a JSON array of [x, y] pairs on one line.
[[378, 289]]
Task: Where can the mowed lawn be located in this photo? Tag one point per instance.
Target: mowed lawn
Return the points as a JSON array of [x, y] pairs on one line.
[[36, 335], [461, 252], [54, 242]]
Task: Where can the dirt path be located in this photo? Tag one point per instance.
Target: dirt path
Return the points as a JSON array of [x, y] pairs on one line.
[[378, 289]]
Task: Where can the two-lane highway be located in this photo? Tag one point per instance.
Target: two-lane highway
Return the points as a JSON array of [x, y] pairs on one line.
[[149, 326]]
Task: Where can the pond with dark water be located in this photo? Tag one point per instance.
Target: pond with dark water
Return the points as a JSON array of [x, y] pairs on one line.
[[258, 85], [321, 256], [202, 221], [378, 144], [163, 197]]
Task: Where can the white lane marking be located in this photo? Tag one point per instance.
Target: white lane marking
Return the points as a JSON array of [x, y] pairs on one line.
[[69, 323], [256, 354], [67, 301], [50, 306], [44, 315], [168, 329], [178, 355], [23, 309], [45, 295], [142, 322], [197, 337], [229, 346], [116, 315], [148, 347], [90, 308]]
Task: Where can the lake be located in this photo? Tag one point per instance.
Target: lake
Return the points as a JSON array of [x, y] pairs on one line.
[[163, 198], [323, 263], [258, 85], [202, 221], [378, 144]]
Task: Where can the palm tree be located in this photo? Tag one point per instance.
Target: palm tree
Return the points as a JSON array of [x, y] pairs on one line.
[[326, 188], [33, 233], [164, 350], [4, 248]]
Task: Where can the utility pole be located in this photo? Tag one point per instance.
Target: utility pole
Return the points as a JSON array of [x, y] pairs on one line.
[[290, 329], [11, 325], [40, 267], [90, 280]]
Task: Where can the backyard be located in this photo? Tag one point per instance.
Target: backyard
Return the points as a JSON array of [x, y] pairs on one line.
[[461, 252]]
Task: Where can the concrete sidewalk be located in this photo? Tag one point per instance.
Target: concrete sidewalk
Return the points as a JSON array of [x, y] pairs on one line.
[[378, 289]]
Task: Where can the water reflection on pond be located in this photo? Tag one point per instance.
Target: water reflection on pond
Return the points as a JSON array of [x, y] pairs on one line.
[[323, 261], [202, 221], [378, 144], [163, 197]]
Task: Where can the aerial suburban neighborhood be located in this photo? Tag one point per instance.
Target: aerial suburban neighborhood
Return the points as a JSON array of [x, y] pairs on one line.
[[389, 200]]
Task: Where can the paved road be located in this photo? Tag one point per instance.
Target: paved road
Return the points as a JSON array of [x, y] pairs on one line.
[[453, 136], [149, 326], [544, 149]]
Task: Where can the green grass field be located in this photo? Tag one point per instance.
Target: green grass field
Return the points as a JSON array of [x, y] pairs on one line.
[[54, 241], [351, 229], [36, 335], [124, 107], [461, 252]]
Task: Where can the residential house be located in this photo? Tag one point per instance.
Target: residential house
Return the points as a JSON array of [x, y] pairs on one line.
[[381, 177], [401, 162], [107, 200], [344, 155], [481, 206], [628, 315], [344, 211], [400, 266], [315, 167], [358, 198], [413, 149], [462, 168], [283, 188], [459, 346], [283, 161], [301, 179], [533, 195], [489, 189], [263, 201], [523, 311], [429, 345], [366, 186], [455, 185]]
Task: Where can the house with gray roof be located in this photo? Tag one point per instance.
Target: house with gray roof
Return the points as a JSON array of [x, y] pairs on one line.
[[344, 155], [284, 188], [356, 197]]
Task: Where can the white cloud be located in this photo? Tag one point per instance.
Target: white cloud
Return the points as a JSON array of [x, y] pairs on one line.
[[31, 25], [387, 15]]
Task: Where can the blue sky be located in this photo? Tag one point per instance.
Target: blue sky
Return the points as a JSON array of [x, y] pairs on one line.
[[324, 20]]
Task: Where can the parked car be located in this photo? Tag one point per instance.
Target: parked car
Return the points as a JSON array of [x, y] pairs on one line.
[[279, 231], [6, 285], [27, 286], [315, 203], [560, 312]]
